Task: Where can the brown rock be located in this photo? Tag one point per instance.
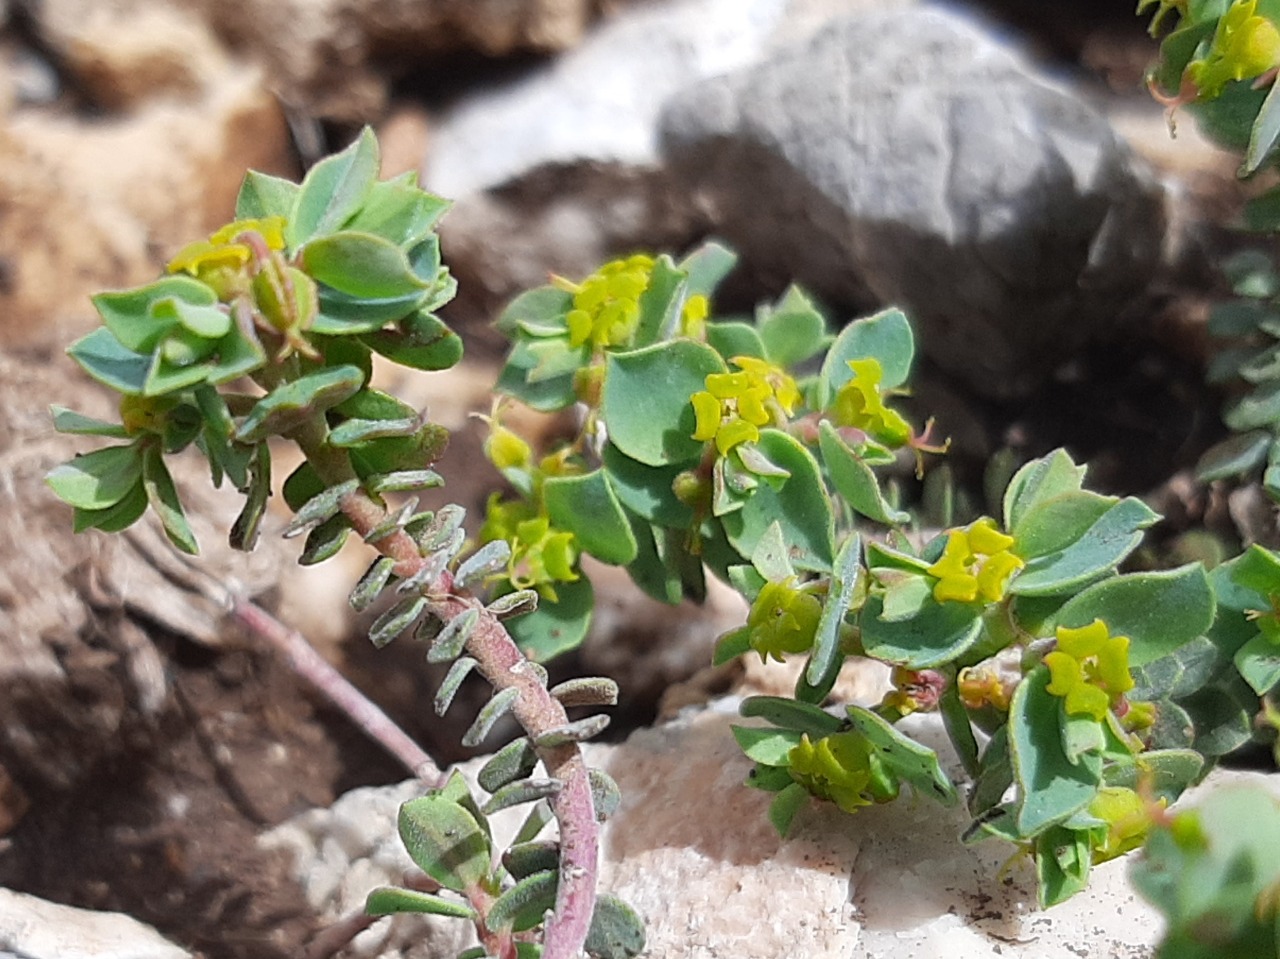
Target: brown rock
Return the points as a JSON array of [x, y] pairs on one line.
[[81, 676], [85, 207]]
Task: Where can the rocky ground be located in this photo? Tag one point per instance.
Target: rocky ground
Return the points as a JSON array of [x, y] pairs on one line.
[[1007, 179]]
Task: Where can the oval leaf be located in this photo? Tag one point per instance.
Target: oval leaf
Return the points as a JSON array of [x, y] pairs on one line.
[[445, 841], [587, 507], [1159, 612], [646, 400]]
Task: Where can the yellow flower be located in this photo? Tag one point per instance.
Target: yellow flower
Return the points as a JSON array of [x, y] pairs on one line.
[[1128, 817], [1089, 669], [992, 681], [505, 449], [842, 768], [735, 405], [540, 555], [1246, 45], [975, 562], [783, 619], [222, 258], [693, 317], [860, 404], [606, 305]]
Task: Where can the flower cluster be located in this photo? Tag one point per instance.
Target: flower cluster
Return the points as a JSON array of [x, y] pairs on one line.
[[1089, 669], [540, 555], [976, 563], [1128, 819], [735, 405], [606, 305], [1245, 45], [842, 768], [783, 619], [222, 259], [859, 404]]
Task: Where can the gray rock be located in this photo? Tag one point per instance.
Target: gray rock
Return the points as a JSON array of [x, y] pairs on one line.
[[692, 850], [32, 928], [912, 157], [560, 169]]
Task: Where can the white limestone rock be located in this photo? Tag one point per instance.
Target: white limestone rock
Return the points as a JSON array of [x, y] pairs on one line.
[[691, 849], [32, 928]]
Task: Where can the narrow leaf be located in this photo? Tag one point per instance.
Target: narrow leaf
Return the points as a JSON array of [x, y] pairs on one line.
[[452, 639], [451, 683], [573, 732], [497, 707], [163, 497], [586, 691], [523, 905], [522, 791], [372, 583], [389, 900], [396, 620], [513, 761]]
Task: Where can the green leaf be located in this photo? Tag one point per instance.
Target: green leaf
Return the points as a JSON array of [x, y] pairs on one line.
[[707, 266], [360, 265], [854, 480], [1050, 786], [791, 714], [1098, 551], [660, 303], [646, 400], [444, 840], [1037, 481], [587, 507], [825, 659], [399, 210], [163, 498], [909, 761], [1258, 661], [731, 339], [1062, 859], [1159, 612], [1165, 772], [104, 358], [209, 322], [729, 646], [766, 745], [555, 627], [288, 407], [523, 905], [1257, 409], [244, 531], [938, 634], [783, 809], [799, 504], [388, 900], [114, 518], [616, 932], [1056, 523], [128, 313], [236, 357], [1221, 720], [97, 480], [547, 395], [542, 309], [1263, 135], [344, 315], [421, 341], [792, 330], [648, 571], [886, 336], [646, 490], [262, 195], [333, 191], [325, 541], [69, 421], [1237, 455]]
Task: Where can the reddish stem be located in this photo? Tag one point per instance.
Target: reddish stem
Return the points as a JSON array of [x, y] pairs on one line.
[[505, 667]]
